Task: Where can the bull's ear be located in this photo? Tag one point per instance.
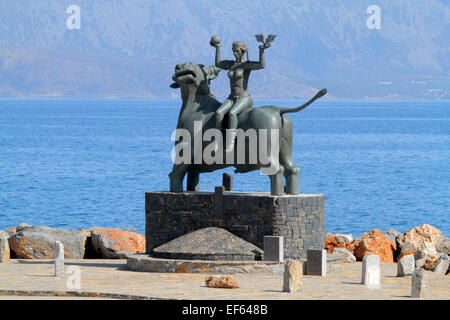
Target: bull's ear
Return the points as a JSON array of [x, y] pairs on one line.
[[212, 72], [174, 85]]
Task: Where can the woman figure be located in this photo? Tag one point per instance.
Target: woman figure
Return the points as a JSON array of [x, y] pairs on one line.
[[239, 99]]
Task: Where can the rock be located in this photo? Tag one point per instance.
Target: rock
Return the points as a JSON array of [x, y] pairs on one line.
[[347, 256], [11, 231], [418, 283], [421, 236], [331, 242], [374, 242], [293, 274], [21, 226], [429, 255], [226, 282], [111, 243], [392, 235], [405, 249], [443, 246], [420, 263], [442, 265], [37, 242], [342, 238], [406, 266], [5, 254], [371, 272]]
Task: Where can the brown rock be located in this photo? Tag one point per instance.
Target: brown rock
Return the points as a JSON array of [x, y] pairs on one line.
[[374, 242], [37, 242], [113, 243], [331, 242], [406, 249], [5, 254], [293, 274], [227, 282], [421, 236]]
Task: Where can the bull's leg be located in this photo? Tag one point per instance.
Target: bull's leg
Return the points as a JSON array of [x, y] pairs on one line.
[[276, 182], [292, 176], [193, 181], [177, 177]]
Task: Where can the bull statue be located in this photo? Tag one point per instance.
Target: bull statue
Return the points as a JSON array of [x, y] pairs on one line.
[[200, 106], [255, 138]]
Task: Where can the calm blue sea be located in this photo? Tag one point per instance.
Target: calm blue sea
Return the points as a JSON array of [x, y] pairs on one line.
[[82, 163]]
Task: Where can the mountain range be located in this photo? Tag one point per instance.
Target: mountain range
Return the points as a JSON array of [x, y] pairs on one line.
[[128, 49]]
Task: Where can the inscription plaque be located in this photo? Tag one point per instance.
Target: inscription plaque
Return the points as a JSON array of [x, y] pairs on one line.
[[273, 248], [316, 263]]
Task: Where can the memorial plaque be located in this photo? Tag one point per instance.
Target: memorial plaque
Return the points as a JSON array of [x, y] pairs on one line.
[[273, 248], [316, 263]]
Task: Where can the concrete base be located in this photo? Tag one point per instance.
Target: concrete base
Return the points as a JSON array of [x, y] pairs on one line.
[[300, 219]]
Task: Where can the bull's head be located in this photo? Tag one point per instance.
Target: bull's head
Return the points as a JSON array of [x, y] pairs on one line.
[[191, 74]]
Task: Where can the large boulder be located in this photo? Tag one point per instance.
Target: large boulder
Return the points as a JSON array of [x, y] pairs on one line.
[[347, 256], [336, 241], [442, 265], [37, 242], [443, 246], [111, 243], [392, 235], [374, 242], [4, 247], [421, 236], [405, 249]]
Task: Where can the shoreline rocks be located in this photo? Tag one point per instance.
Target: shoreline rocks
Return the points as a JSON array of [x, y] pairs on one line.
[[37, 242], [374, 242]]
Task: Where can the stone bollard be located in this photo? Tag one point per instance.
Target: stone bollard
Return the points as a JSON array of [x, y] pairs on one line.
[[293, 273], [371, 271], [59, 259], [418, 283], [406, 266]]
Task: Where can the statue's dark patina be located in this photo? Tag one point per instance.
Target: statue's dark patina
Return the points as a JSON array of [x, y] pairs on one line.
[[200, 105]]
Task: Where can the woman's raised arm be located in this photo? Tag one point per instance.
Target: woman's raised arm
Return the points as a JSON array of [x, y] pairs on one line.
[[253, 65]]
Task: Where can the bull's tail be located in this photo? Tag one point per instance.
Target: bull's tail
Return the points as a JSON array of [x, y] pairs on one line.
[[317, 96]]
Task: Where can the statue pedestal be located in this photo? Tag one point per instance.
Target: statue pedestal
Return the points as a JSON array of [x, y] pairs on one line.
[[300, 219]]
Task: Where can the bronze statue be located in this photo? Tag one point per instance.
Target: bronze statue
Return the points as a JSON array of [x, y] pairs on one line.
[[201, 107], [239, 98]]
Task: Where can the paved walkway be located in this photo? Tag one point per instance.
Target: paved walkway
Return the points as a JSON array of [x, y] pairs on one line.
[[111, 279]]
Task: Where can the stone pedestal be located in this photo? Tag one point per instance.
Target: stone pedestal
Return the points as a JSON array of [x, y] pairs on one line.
[[299, 219]]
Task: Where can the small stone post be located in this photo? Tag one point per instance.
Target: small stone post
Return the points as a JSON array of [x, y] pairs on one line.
[[227, 181], [405, 266], [418, 283], [371, 273], [59, 259], [293, 274], [273, 248]]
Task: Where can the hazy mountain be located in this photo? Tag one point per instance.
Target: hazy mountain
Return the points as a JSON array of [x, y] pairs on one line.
[[129, 48]]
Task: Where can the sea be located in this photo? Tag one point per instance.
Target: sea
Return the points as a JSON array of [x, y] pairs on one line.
[[79, 163]]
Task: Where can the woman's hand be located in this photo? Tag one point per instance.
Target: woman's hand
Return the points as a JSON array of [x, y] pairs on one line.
[[215, 41]]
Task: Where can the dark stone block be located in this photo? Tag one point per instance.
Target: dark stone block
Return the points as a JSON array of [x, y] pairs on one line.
[[250, 216]]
